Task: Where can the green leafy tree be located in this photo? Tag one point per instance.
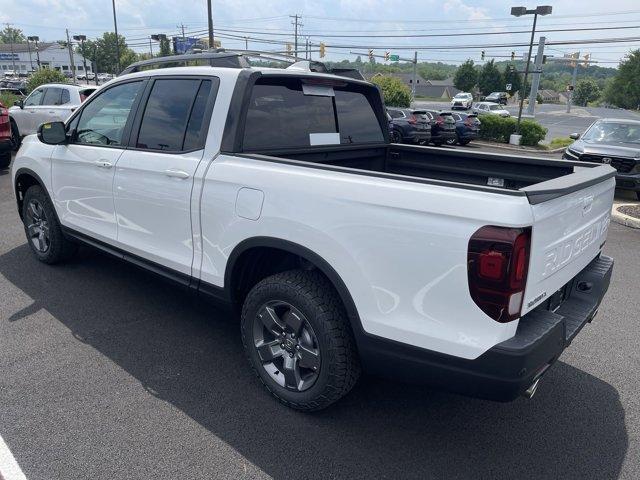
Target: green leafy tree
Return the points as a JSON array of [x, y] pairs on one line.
[[490, 79], [45, 75], [394, 92], [103, 50], [624, 89], [165, 47], [512, 76], [12, 35], [586, 91], [466, 76]]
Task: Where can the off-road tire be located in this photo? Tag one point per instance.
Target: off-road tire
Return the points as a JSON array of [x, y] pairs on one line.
[[60, 247], [312, 294]]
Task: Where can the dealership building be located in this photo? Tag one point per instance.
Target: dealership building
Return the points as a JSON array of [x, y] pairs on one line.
[[23, 58]]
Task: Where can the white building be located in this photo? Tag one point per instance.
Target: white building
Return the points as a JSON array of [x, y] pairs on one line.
[[24, 58]]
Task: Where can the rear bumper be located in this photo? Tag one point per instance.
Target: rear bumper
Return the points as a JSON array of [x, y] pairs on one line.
[[468, 135], [505, 371], [444, 135], [417, 135]]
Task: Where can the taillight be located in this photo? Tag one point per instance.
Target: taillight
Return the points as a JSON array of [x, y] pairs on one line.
[[412, 119], [468, 121], [439, 120], [497, 266]]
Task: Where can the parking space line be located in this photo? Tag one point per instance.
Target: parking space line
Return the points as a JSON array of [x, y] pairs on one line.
[[9, 468]]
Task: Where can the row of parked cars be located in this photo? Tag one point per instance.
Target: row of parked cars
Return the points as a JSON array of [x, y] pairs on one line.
[[432, 126]]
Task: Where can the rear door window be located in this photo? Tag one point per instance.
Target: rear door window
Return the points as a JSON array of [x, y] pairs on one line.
[[174, 115], [280, 115], [52, 96]]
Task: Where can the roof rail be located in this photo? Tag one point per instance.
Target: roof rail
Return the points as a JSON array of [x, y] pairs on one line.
[[238, 59]]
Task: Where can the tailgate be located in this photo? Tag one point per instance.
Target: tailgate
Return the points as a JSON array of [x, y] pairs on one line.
[[568, 230]]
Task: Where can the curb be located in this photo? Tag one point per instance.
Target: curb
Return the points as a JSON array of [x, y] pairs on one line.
[[623, 219], [519, 149]]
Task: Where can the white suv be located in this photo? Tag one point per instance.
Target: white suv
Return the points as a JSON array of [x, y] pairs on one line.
[[462, 100]]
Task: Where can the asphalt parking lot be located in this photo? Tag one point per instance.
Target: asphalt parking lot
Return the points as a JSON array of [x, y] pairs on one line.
[[554, 117], [108, 372]]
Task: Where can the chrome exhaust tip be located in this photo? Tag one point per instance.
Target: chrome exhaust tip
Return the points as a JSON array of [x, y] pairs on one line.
[[531, 391]]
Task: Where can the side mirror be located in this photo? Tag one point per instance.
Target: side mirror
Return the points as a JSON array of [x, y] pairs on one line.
[[574, 136], [19, 103], [52, 133]]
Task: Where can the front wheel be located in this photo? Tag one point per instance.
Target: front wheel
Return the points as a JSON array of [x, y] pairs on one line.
[[296, 335], [5, 160], [42, 228], [395, 137], [451, 141]]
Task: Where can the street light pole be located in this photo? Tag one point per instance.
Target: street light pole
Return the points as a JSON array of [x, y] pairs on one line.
[[81, 39], [210, 21], [115, 27], [517, 12]]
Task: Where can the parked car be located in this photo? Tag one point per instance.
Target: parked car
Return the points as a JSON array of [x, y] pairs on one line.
[[46, 103], [408, 127], [614, 142], [277, 192], [443, 126], [13, 91], [104, 77], [467, 128], [462, 100], [490, 108], [67, 74], [497, 97], [6, 144]]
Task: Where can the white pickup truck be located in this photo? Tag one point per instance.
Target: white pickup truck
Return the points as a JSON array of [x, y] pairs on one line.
[[278, 192]]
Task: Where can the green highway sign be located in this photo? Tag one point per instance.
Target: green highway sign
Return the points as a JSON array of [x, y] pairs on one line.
[[394, 58]]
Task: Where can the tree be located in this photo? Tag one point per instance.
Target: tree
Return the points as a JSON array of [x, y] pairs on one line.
[[103, 50], [12, 35], [586, 91], [44, 75], [466, 76], [511, 76], [394, 92], [490, 79], [165, 47], [624, 90]]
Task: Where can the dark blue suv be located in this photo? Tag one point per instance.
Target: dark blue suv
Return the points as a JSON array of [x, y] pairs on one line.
[[467, 128], [405, 126]]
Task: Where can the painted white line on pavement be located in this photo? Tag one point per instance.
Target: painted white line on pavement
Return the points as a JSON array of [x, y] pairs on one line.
[[9, 468]]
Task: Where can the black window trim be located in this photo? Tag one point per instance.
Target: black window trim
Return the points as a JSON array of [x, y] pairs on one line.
[[127, 128], [137, 122]]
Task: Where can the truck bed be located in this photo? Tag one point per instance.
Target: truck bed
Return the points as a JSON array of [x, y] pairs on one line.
[[539, 179]]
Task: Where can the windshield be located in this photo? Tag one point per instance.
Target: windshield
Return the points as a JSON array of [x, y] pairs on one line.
[[495, 94], [495, 107], [609, 132], [462, 95]]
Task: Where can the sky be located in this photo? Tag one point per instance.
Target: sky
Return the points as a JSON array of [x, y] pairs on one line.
[[463, 27]]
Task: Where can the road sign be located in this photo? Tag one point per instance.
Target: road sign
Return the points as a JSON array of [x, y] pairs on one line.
[[394, 58], [508, 87]]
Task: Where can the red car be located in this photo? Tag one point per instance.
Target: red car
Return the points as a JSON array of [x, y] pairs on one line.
[[5, 138]]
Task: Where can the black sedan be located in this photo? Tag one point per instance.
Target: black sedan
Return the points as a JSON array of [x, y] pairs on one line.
[[611, 141], [407, 126]]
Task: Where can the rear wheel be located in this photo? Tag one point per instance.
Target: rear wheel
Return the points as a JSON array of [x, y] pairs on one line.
[[297, 338], [395, 137], [451, 141], [43, 231]]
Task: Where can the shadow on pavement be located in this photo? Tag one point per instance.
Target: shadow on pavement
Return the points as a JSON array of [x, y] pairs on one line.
[[189, 354]]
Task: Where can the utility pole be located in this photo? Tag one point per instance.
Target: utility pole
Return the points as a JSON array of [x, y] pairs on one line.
[[34, 39], [13, 58], [246, 43], [70, 48], [150, 48], [95, 62], [295, 24], [537, 71], [306, 50], [415, 75], [115, 27], [81, 39], [210, 20], [29, 47], [573, 81]]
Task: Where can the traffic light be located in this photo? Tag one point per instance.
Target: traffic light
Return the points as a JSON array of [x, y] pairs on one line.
[[322, 49], [370, 55], [513, 56], [482, 55], [386, 56], [289, 48], [586, 59]]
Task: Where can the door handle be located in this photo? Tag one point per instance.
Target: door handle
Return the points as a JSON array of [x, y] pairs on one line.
[[176, 173], [103, 164]]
